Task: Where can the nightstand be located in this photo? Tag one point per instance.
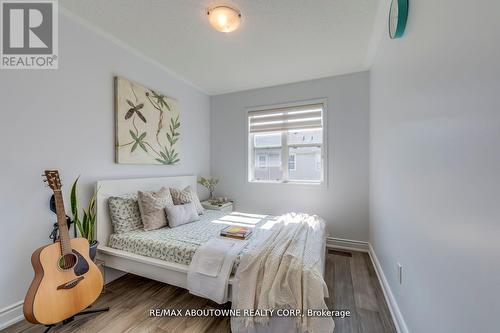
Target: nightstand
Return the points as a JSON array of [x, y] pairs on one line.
[[225, 207]]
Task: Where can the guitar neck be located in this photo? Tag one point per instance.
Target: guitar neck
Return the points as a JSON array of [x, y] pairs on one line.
[[64, 238]]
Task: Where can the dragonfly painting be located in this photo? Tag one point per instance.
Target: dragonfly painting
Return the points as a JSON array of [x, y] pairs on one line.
[[147, 125]]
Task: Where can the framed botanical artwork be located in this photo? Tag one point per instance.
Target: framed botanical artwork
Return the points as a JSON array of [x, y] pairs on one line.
[[147, 125]]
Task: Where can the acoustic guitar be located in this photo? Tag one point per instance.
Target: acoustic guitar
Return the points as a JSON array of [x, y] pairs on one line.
[[66, 279]]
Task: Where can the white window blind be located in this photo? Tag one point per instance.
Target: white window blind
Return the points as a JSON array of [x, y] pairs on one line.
[[285, 144], [282, 119]]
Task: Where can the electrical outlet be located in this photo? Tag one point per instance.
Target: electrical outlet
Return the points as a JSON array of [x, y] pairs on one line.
[[400, 273]]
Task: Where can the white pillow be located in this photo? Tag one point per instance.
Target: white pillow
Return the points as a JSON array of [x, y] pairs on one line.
[[181, 214]]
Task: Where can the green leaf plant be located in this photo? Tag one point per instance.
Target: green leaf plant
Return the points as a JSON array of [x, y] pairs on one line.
[[85, 224]]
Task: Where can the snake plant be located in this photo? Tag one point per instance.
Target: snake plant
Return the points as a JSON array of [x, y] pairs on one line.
[[85, 224]]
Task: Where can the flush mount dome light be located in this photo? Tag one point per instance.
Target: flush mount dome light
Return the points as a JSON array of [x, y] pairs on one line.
[[224, 18]]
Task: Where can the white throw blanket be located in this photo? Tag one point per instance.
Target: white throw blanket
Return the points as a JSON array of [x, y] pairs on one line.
[[211, 266], [281, 269]]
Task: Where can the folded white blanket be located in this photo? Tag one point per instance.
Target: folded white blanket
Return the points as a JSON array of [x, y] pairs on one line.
[[209, 281], [209, 259]]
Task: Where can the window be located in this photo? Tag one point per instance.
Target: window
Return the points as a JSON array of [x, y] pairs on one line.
[[285, 145], [261, 161], [318, 162], [291, 162]]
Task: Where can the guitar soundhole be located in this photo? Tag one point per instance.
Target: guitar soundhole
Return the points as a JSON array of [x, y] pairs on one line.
[[67, 261]]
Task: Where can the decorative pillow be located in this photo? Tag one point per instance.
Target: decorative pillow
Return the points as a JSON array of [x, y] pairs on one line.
[[181, 214], [125, 214], [180, 197], [185, 196], [151, 205]]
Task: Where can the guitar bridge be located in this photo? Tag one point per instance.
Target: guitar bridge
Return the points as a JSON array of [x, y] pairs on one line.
[[70, 284]]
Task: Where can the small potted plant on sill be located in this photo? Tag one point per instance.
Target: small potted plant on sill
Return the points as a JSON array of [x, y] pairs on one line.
[[85, 225], [210, 184]]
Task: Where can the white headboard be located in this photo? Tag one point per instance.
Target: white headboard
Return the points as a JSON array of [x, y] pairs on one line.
[[108, 188]]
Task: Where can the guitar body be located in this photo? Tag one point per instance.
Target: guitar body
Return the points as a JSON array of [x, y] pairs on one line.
[[56, 293]]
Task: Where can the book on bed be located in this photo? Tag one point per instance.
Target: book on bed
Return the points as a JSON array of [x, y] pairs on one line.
[[236, 232]]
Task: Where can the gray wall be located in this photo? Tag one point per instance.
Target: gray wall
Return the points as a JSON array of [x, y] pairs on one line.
[[64, 119], [344, 203], [435, 163]]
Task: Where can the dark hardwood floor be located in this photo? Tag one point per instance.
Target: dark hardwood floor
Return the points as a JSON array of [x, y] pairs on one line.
[[350, 277]]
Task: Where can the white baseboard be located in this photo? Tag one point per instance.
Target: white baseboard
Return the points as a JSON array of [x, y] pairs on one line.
[[353, 245], [11, 314], [397, 317], [347, 244]]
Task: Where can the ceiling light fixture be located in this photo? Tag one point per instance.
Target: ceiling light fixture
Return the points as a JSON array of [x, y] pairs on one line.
[[224, 18]]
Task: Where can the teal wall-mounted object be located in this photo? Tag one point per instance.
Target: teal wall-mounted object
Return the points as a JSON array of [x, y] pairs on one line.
[[397, 18]]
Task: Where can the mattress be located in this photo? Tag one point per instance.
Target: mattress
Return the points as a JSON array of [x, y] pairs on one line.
[[180, 243]]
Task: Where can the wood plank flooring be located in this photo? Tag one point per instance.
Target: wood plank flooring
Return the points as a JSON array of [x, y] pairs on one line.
[[350, 277]]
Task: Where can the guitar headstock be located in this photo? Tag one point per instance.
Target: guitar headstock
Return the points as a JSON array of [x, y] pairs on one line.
[[51, 177]]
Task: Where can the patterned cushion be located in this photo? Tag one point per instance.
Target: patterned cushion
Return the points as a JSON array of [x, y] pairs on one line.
[[151, 206], [125, 214], [181, 214], [186, 195], [180, 197]]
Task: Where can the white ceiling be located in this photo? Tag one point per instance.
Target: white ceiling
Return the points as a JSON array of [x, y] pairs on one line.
[[279, 41]]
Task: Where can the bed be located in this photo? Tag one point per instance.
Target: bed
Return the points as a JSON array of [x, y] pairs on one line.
[[179, 244], [165, 254]]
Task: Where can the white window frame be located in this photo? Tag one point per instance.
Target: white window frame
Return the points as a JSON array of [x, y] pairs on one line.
[[294, 162], [266, 162], [316, 164], [249, 158]]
